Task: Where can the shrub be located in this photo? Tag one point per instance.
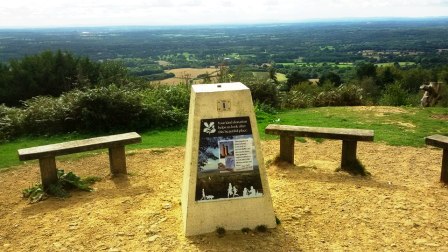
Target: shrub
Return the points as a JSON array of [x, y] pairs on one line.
[[443, 102], [9, 122], [264, 92], [44, 115], [103, 109], [167, 105], [395, 95], [107, 109]]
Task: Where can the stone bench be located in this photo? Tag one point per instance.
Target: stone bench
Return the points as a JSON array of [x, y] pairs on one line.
[[349, 137], [47, 153], [440, 142]]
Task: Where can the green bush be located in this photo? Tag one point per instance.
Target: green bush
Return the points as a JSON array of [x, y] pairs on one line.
[[9, 122], [44, 115], [170, 104], [395, 95], [443, 102], [102, 109], [264, 92], [107, 109]]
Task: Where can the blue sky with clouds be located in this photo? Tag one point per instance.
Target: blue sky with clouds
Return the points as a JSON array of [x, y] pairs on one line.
[[57, 13]]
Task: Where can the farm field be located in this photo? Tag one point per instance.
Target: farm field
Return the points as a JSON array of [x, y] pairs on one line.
[[182, 73]]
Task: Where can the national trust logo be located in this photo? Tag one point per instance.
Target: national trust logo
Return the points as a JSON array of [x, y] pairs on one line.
[[209, 128]]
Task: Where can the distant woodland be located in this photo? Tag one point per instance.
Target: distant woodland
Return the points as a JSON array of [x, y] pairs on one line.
[[95, 75]]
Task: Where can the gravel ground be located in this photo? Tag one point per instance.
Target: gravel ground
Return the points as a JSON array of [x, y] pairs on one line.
[[400, 207]]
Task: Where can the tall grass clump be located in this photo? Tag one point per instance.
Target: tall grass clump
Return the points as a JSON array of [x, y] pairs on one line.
[[344, 95], [306, 95]]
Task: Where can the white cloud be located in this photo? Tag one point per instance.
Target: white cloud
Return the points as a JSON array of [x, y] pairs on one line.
[[160, 12]]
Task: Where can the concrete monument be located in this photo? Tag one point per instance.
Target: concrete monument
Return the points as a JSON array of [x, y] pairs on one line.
[[225, 183]]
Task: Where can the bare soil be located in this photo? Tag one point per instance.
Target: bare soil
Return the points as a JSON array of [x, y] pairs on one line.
[[402, 206], [191, 73]]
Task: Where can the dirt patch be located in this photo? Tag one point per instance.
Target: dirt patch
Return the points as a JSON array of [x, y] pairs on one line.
[[401, 207], [380, 110], [404, 125], [163, 62], [440, 117]]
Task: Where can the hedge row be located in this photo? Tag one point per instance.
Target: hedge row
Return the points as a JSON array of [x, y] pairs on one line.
[[104, 109], [112, 108]]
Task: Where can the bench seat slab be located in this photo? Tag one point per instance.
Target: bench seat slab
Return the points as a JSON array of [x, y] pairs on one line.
[[437, 141], [78, 146], [320, 132]]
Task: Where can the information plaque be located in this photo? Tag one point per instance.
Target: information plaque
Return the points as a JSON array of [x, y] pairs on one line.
[[227, 161]]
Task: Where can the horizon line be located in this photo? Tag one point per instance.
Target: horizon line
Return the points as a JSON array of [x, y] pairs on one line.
[[302, 21]]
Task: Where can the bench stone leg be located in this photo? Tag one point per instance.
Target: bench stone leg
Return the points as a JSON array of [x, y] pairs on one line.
[[287, 148], [444, 173], [348, 158], [48, 171], [117, 159]]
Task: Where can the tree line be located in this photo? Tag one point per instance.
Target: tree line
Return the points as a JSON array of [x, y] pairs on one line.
[[53, 73]]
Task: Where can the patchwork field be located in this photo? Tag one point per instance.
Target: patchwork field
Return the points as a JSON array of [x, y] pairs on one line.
[[181, 74]]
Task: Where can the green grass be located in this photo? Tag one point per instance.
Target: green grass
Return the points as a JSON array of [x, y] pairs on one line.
[[281, 77], [402, 63], [264, 75], [320, 64], [402, 126], [331, 48]]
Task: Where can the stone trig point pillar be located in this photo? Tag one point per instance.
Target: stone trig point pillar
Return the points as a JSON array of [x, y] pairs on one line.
[[225, 183]]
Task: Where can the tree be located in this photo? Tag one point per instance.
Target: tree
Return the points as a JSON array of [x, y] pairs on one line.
[[332, 78], [206, 77], [294, 78], [52, 74], [113, 72], [273, 73], [414, 78], [387, 75], [364, 70]]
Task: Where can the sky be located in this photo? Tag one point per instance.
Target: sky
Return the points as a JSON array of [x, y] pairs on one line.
[[69, 13]]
